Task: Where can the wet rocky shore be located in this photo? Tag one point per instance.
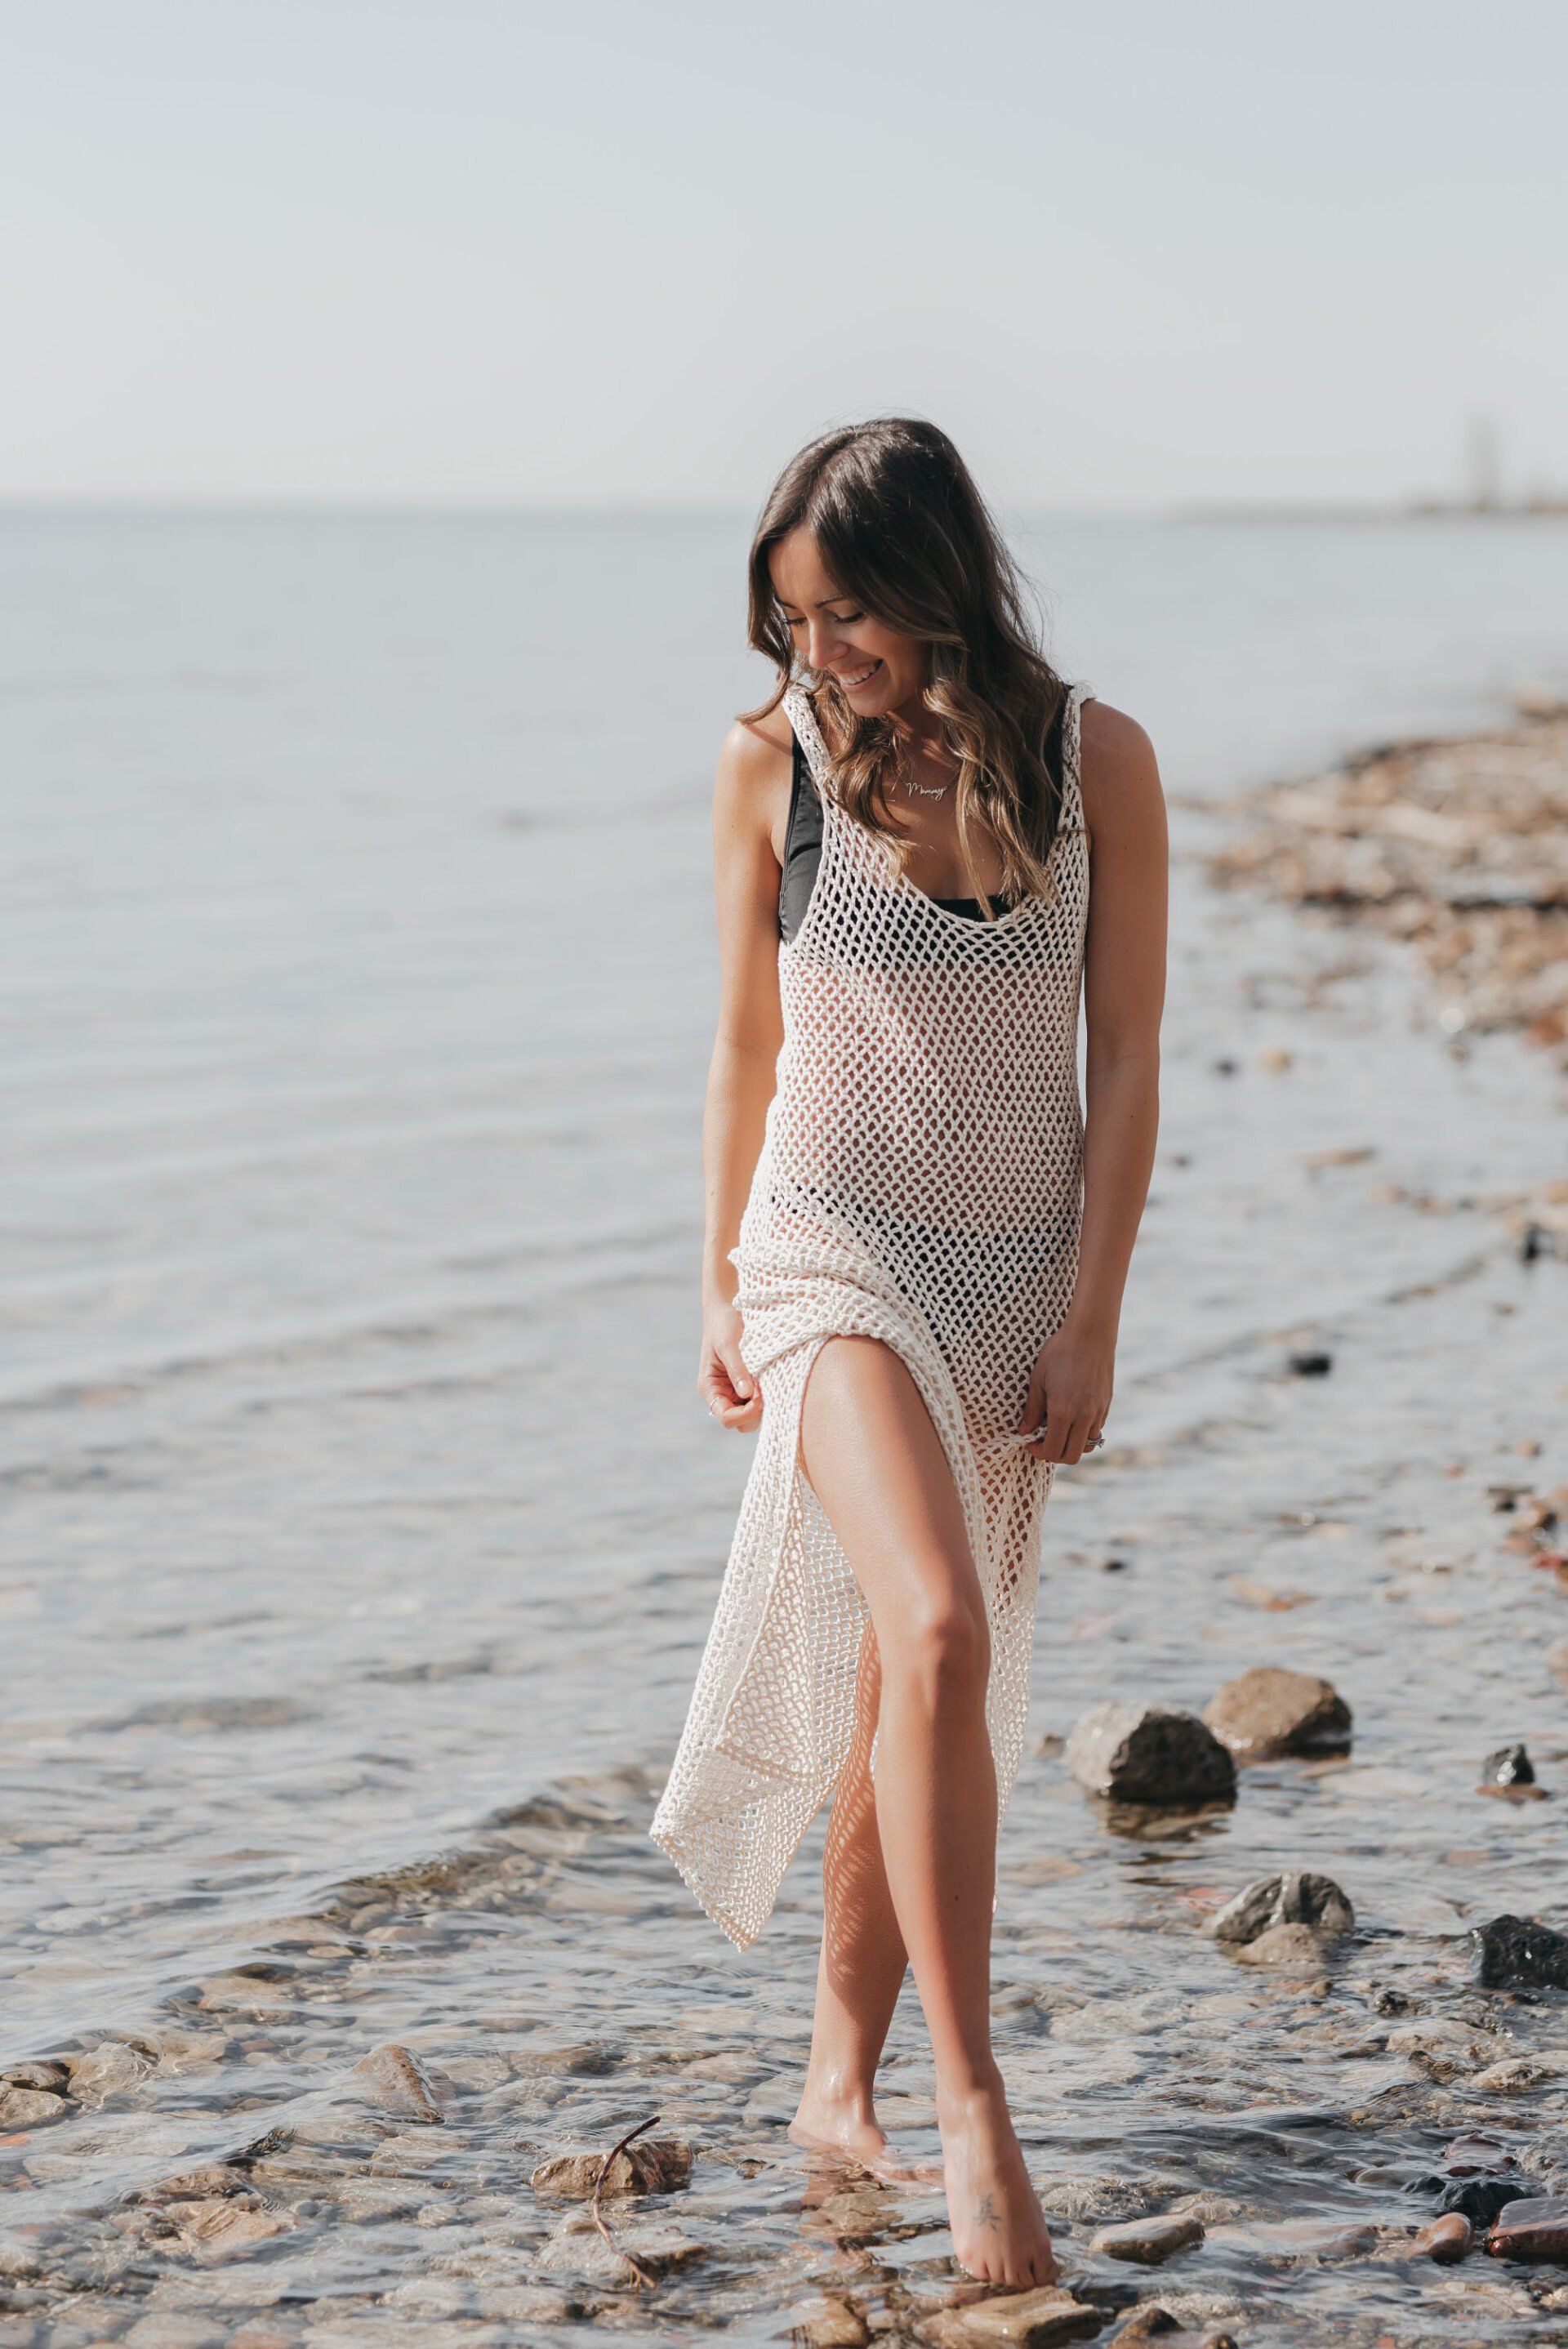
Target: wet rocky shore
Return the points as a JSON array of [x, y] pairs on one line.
[[1278, 1989], [1456, 846]]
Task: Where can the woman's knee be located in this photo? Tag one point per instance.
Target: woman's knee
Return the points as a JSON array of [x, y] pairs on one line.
[[940, 1649]]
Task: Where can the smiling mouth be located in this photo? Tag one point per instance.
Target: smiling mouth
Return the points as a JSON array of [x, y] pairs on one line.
[[856, 679]]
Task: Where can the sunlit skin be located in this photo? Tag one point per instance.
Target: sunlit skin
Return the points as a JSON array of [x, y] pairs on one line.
[[909, 1867]]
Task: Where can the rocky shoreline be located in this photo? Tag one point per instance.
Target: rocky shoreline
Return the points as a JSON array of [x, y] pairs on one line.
[[1455, 845], [1279, 1990]]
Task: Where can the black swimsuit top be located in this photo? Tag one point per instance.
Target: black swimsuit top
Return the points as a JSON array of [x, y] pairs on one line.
[[803, 845]]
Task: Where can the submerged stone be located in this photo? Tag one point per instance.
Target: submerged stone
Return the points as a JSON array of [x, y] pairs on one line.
[[399, 2083], [829, 2323], [1020, 2320], [1446, 2240], [1148, 2241], [648, 2166], [1533, 2228], [1510, 1765]]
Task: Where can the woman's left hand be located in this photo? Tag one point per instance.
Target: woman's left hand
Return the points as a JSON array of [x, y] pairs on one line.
[[1069, 1392]]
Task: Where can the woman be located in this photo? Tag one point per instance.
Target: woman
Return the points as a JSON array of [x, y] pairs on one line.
[[931, 1241]]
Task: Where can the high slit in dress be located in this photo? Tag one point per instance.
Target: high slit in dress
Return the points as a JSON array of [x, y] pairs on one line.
[[920, 1182]]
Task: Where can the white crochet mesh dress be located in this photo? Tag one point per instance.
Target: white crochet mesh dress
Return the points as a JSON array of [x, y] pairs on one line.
[[919, 1182]]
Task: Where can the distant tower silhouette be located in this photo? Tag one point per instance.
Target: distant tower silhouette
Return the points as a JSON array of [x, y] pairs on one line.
[[1483, 464]]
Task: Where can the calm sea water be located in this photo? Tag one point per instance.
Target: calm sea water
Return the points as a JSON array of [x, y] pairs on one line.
[[357, 985]]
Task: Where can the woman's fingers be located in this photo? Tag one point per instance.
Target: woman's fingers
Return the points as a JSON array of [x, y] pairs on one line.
[[733, 1396]]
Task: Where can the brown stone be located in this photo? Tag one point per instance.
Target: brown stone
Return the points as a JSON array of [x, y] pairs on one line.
[[1148, 2241], [577, 2247], [1295, 1947], [1023, 2320], [1533, 2229], [50, 2075], [400, 2082], [648, 2166], [111, 2069], [828, 2323], [1446, 2240], [1156, 2324], [226, 2227], [1270, 1710], [30, 2108]]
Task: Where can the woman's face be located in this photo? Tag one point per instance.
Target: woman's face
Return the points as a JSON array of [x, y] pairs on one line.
[[878, 670]]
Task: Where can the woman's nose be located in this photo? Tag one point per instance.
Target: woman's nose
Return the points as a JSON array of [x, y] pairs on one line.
[[822, 643]]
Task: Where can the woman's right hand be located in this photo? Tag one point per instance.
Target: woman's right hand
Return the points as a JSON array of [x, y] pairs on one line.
[[724, 1382]]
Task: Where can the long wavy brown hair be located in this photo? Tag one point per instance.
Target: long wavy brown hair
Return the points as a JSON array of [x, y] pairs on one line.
[[902, 528]]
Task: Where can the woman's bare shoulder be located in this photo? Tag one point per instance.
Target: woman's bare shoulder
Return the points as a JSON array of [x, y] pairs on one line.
[[1120, 774], [754, 766], [1115, 746]]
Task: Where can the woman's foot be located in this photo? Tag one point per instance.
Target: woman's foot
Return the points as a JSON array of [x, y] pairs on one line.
[[999, 2233], [849, 2126]]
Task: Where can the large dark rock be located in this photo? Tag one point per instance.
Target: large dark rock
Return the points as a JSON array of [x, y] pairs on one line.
[[1481, 2198], [1297, 1898], [1150, 1754], [1270, 1710], [1521, 1953], [1510, 1765]]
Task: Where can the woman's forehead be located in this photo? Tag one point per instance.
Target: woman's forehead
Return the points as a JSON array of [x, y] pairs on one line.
[[799, 575]]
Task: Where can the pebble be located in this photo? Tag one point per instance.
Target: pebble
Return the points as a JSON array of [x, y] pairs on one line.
[[199, 2185], [649, 2166], [170, 2329], [1515, 2073], [1270, 1710], [1521, 1953], [1152, 1754], [244, 1995], [532, 2303], [576, 2248], [1297, 1897], [1295, 1949], [399, 2083], [1446, 2240], [29, 2108], [1156, 2324], [1148, 2241], [826, 2322], [1510, 1765], [1021, 2320], [223, 2229], [111, 2069], [1443, 2049], [50, 2076], [1094, 2200], [1534, 2227]]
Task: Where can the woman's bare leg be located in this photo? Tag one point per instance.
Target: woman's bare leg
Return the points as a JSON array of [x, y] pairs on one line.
[[877, 1465], [862, 1965]]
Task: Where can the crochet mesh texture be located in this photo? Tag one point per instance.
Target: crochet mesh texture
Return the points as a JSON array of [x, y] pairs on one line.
[[920, 1182]]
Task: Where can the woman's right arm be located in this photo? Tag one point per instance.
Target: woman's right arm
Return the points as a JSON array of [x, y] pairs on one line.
[[751, 796]]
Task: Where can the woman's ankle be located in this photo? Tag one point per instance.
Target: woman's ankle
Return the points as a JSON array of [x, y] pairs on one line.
[[833, 2089], [972, 2085]]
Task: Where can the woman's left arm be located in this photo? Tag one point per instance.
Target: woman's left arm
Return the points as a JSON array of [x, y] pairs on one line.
[[1124, 995]]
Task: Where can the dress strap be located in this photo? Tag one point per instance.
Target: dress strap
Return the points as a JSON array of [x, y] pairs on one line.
[[797, 703], [1072, 816]]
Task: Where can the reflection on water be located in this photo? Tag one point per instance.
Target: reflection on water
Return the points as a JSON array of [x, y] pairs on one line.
[[362, 1523]]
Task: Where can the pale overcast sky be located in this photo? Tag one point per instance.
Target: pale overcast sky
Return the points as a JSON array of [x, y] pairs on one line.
[[1130, 253]]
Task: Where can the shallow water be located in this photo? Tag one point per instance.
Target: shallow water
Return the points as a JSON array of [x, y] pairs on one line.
[[359, 1508]]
